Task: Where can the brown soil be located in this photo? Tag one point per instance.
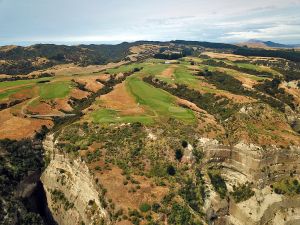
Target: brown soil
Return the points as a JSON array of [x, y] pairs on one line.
[[103, 77], [236, 98], [24, 94]]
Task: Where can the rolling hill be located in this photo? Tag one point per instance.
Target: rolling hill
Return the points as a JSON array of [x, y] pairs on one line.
[[179, 132]]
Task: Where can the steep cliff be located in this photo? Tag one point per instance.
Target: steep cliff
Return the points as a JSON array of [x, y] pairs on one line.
[[72, 195]]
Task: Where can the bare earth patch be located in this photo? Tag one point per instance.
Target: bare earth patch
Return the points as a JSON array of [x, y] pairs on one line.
[[236, 98]]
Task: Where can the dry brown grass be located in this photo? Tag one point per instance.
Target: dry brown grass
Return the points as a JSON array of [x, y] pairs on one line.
[[14, 127], [264, 126], [119, 99], [243, 77], [62, 104], [230, 57], [72, 69], [292, 90], [79, 94], [113, 180], [90, 83], [169, 72], [42, 108]]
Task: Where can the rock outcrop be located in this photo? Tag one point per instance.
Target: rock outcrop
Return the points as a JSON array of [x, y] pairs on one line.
[[261, 166], [72, 195]]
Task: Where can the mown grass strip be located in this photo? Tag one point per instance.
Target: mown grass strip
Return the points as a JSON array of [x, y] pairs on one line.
[[158, 101]]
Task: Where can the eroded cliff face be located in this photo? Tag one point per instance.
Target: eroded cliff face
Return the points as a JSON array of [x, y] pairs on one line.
[[74, 198], [72, 195], [242, 163]]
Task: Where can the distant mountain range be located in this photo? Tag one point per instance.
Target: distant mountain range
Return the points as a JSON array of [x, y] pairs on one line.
[[253, 43]]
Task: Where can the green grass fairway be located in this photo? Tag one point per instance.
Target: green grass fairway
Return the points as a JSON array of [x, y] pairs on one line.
[[6, 94], [158, 101], [55, 90], [125, 68], [7, 84], [258, 68], [236, 73], [183, 76], [154, 69], [249, 66], [111, 116]]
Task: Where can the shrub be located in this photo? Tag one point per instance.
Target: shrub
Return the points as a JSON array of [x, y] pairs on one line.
[[184, 144], [194, 193], [171, 170], [287, 186], [179, 215], [242, 192], [198, 155], [218, 183], [178, 154], [155, 207], [144, 207]]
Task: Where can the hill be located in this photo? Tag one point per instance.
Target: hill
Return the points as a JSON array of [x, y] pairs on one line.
[[179, 132], [253, 43]]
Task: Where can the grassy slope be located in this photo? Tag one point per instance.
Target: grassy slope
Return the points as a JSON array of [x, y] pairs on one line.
[[7, 93], [157, 102], [112, 116], [7, 84], [55, 90]]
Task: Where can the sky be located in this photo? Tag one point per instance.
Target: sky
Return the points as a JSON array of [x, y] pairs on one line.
[[25, 22]]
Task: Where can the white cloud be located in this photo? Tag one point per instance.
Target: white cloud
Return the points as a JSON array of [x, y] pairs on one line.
[[280, 32], [123, 20]]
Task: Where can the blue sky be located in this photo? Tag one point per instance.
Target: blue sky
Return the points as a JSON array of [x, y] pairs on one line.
[[26, 22]]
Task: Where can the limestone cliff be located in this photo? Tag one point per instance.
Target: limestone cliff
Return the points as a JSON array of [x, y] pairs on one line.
[[241, 163], [72, 195]]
